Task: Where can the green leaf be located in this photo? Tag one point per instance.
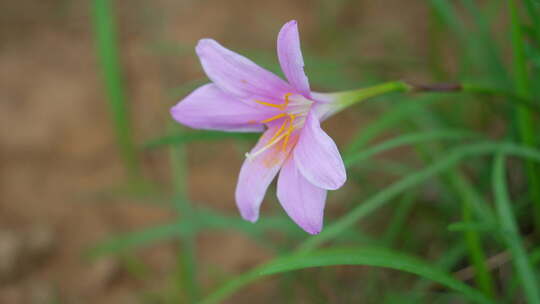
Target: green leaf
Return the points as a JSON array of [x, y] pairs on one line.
[[354, 256]]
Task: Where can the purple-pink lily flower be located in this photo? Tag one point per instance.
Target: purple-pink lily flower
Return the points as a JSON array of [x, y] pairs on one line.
[[247, 98]]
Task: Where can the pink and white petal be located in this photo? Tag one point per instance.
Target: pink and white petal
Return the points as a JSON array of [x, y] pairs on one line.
[[302, 201], [256, 175], [208, 107], [326, 105], [317, 156], [290, 57], [238, 75]]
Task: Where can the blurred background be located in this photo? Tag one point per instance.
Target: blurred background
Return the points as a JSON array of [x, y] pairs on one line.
[[94, 193]]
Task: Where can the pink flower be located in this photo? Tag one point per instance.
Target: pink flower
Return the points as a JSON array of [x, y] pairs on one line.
[[245, 97]]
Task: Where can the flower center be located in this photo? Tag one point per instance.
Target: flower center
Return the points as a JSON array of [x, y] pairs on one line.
[[293, 116]]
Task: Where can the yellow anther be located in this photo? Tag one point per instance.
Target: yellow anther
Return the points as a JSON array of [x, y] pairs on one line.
[[274, 118], [279, 106], [282, 106]]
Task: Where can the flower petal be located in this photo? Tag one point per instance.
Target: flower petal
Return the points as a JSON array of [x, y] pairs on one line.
[[302, 201], [327, 104], [238, 75], [290, 57], [317, 156], [256, 175], [208, 107]]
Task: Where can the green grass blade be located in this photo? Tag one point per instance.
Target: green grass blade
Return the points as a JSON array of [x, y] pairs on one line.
[[132, 240], [187, 137], [533, 10], [510, 233], [360, 257], [478, 49], [389, 118], [487, 46], [107, 49], [524, 119], [453, 157], [398, 221], [187, 281], [408, 139], [476, 252]]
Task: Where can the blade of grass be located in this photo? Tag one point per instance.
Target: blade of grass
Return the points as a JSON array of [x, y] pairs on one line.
[[187, 259], [399, 112], [362, 257], [107, 49], [524, 119], [487, 45], [452, 158], [187, 137], [132, 240], [205, 220], [476, 252], [534, 14], [511, 235], [408, 139], [397, 223]]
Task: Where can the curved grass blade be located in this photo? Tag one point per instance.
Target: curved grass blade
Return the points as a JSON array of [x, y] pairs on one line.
[[408, 139], [510, 233], [205, 220], [386, 195], [129, 241], [183, 138], [107, 49], [525, 123], [389, 118], [354, 256]]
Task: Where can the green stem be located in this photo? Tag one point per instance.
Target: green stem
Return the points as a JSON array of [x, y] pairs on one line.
[[525, 123], [534, 14], [107, 50], [187, 260], [346, 99], [511, 234], [472, 239]]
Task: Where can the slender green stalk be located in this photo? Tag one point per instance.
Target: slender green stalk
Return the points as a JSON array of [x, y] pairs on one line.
[[398, 221], [472, 239], [187, 260], [524, 119], [534, 14], [436, 39], [511, 235], [107, 49], [494, 64]]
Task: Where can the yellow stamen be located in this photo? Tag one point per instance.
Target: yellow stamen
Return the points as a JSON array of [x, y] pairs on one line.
[[279, 106], [288, 133], [287, 99], [286, 139], [274, 118], [278, 132], [282, 106]]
